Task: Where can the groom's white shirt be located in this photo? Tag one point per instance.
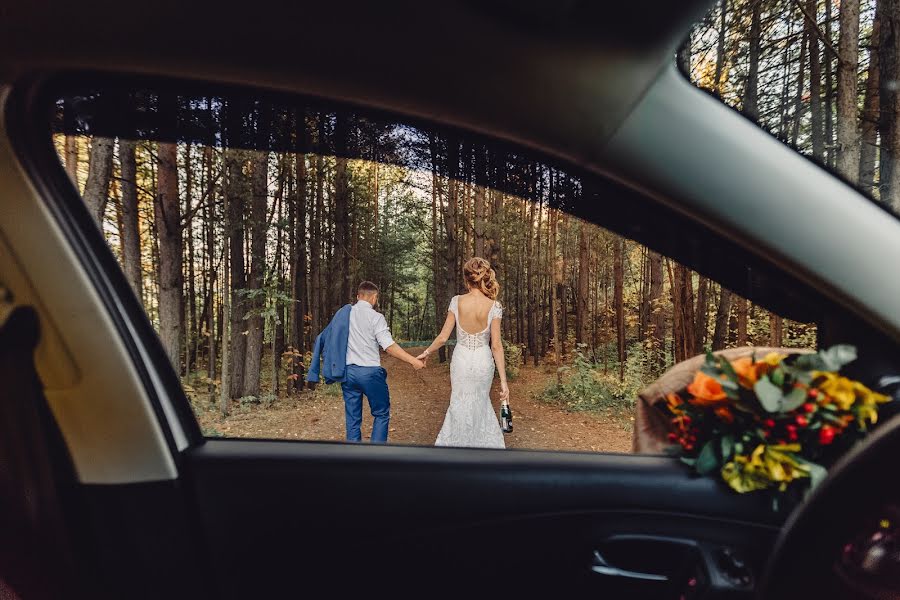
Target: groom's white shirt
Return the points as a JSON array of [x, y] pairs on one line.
[[368, 331]]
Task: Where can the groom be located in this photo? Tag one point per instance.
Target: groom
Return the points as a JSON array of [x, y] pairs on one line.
[[351, 344]]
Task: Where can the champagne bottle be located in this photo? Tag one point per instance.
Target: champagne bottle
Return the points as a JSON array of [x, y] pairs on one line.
[[506, 418]]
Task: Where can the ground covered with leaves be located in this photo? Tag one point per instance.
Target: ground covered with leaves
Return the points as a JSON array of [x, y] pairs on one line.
[[419, 401]]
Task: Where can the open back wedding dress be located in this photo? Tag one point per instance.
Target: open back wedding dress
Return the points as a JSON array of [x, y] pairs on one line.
[[470, 420]]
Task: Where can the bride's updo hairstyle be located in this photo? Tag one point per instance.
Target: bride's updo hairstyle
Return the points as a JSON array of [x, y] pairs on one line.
[[479, 275]]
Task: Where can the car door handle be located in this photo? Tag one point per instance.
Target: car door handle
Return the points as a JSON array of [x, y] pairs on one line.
[[602, 567]]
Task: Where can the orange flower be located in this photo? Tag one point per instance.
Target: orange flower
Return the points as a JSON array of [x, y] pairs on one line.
[[749, 372], [746, 371], [724, 414], [706, 390], [674, 401]]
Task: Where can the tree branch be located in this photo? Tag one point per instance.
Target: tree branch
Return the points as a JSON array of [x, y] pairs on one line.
[[811, 20]]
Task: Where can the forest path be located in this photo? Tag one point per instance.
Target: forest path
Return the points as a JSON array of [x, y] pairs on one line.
[[419, 400]]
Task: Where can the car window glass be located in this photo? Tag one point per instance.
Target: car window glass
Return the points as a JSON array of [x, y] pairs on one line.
[[243, 226], [820, 76]]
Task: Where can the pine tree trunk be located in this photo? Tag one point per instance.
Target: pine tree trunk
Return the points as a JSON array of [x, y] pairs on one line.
[[619, 301], [341, 267], [798, 97], [741, 339], [131, 234], [776, 330], [720, 45], [657, 316], [815, 84], [96, 189], [751, 108], [71, 158], [450, 225], [317, 222], [701, 314], [190, 330], [168, 227], [256, 304], [299, 307], [848, 154], [868, 153], [723, 313], [581, 318], [830, 149], [236, 193], [889, 63]]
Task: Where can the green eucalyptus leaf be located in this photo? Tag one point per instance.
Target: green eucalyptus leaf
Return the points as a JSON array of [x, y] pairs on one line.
[[769, 395], [794, 399], [727, 445], [689, 461], [728, 370], [837, 356], [707, 461], [777, 376], [810, 362]]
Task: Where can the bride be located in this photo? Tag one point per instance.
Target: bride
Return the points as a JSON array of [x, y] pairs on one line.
[[470, 420]]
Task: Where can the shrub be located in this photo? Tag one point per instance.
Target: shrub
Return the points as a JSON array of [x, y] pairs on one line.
[[586, 387], [513, 355]]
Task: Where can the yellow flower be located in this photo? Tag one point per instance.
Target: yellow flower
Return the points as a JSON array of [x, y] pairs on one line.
[[847, 393], [773, 359], [764, 467], [838, 389]]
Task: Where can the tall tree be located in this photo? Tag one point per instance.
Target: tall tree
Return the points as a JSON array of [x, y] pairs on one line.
[[581, 308], [236, 190], [889, 100], [869, 123], [256, 300], [96, 189], [70, 146], [815, 80], [657, 317], [723, 313], [299, 306], [619, 300], [168, 226], [131, 234], [847, 97]]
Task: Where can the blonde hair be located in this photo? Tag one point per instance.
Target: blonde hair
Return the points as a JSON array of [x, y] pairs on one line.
[[479, 275]]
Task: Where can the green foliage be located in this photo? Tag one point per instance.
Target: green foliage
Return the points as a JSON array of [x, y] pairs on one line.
[[586, 387], [513, 355]]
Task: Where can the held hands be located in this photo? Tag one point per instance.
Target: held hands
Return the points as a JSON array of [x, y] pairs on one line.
[[417, 363], [423, 356]]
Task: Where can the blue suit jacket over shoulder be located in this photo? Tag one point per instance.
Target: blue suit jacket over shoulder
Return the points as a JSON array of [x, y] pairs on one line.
[[332, 342]]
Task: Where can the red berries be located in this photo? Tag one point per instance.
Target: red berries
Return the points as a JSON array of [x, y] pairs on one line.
[[673, 437], [813, 393], [809, 407], [769, 423], [801, 421], [826, 435]]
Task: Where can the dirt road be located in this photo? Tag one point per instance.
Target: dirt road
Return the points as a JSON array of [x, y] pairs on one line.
[[418, 403]]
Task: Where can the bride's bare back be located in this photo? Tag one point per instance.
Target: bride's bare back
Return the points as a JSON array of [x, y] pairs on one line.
[[473, 312]]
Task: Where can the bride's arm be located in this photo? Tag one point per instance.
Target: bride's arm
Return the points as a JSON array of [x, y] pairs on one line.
[[499, 358], [442, 337]]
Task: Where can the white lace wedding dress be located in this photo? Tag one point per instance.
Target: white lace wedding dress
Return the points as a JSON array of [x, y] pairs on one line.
[[470, 420]]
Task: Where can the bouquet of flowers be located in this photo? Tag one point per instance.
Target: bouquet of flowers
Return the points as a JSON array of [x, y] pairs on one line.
[[773, 422]]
